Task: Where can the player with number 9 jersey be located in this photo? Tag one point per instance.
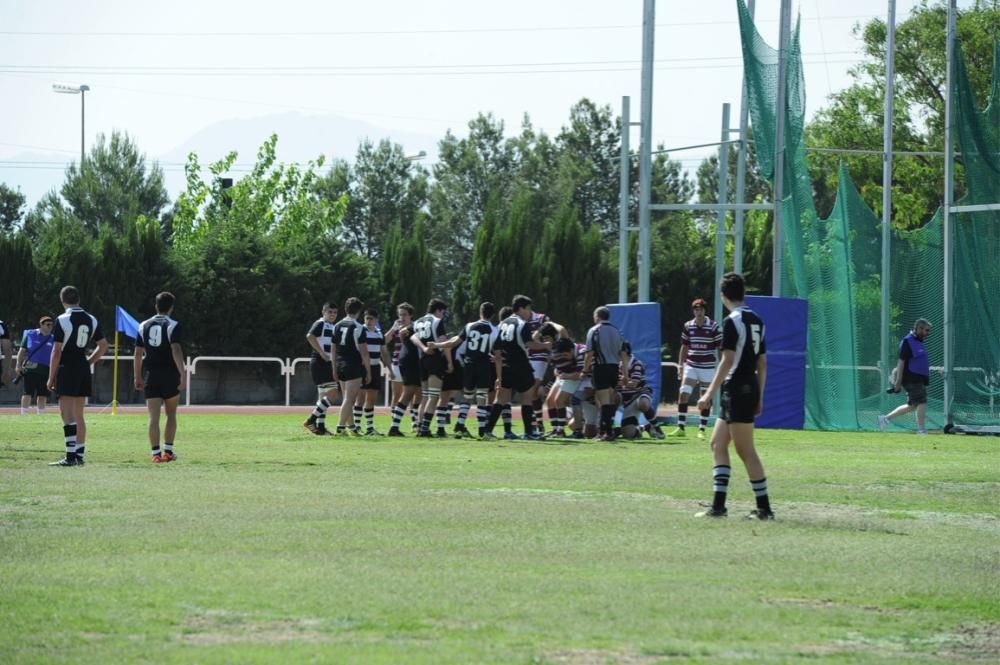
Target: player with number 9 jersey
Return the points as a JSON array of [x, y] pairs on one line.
[[160, 374]]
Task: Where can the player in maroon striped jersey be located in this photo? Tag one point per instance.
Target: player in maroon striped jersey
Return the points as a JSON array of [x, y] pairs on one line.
[[700, 342]]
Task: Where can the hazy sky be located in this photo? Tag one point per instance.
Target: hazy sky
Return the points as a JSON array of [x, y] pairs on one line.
[[163, 71]]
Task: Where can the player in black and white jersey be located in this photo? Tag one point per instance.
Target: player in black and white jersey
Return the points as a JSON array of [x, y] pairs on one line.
[[320, 338], [434, 362], [6, 355], [351, 364], [478, 338], [374, 342], [409, 369], [637, 397], [539, 360], [514, 372], [69, 370], [159, 373], [744, 371]]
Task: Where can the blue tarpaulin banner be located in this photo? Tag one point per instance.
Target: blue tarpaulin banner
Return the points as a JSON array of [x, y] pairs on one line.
[[639, 323], [126, 323], [786, 332]]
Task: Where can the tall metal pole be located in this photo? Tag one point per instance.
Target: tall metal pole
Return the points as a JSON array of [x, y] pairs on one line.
[[83, 121], [949, 188], [623, 197], [741, 170], [778, 253], [890, 78], [645, 146], [720, 230]]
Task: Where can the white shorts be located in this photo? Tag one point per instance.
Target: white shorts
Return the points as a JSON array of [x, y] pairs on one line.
[[538, 368], [591, 414], [698, 375], [568, 386], [631, 410], [394, 374]]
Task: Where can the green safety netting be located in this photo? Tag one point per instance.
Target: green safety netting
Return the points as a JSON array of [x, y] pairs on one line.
[[835, 263]]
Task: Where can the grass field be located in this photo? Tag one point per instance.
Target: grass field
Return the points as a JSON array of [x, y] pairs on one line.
[[263, 543]]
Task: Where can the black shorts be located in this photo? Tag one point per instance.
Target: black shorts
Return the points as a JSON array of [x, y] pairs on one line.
[[605, 376], [916, 393], [478, 375], [433, 364], [519, 378], [161, 383], [350, 371], [35, 384], [409, 369], [454, 380], [376, 381], [74, 380], [740, 398], [321, 371]]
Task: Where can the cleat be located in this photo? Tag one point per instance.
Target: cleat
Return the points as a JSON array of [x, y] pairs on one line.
[[461, 431], [352, 432], [883, 422], [489, 436], [371, 431], [394, 431], [577, 435], [441, 433], [701, 434], [762, 515], [510, 436], [922, 432], [713, 512], [321, 430], [168, 457], [157, 459], [424, 434], [310, 424], [656, 433], [678, 433], [534, 436], [67, 461]]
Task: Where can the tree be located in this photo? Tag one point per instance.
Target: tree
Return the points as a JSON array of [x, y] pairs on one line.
[[17, 274], [11, 209], [114, 187], [853, 119], [384, 187]]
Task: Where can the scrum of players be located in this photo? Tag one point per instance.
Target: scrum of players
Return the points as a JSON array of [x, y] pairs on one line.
[[590, 388]]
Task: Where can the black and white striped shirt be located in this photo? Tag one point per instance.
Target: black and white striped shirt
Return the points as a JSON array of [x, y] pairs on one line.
[[375, 340], [76, 329], [322, 330]]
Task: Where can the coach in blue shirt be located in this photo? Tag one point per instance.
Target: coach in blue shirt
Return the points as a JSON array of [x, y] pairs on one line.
[[912, 373]]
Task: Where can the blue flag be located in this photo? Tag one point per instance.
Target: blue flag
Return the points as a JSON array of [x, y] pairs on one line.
[[124, 322]]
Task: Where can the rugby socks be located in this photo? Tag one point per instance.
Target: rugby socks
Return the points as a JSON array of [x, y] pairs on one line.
[[703, 422], [528, 419], [483, 416], [495, 412], [319, 413], [506, 418], [463, 412], [415, 414], [536, 407], [398, 412], [682, 411], [607, 419], [168, 447], [760, 491], [69, 433], [720, 478], [442, 415], [156, 451], [369, 418], [358, 410]]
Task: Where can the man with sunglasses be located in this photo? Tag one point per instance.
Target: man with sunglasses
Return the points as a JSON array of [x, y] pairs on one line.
[[33, 365]]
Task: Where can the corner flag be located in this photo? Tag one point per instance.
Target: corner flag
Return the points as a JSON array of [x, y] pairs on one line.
[[125, 323]]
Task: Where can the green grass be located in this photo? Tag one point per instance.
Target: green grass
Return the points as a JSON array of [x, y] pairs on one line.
[[266, 544]]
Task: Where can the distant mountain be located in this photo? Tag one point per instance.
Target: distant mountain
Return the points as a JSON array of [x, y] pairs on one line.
[[300, 138]]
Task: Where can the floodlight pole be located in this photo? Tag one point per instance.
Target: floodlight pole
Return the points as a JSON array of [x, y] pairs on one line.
[[778, 251], [720, 229], [890, 78], [623, 197], [645, 145], [741, 170], [949, 188]]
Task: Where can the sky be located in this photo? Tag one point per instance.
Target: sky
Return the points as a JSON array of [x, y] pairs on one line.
[[167, 73]]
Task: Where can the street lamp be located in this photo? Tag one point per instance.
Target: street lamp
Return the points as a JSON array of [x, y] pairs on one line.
[[66, 89]]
